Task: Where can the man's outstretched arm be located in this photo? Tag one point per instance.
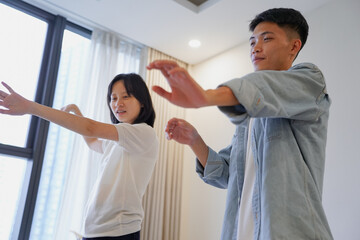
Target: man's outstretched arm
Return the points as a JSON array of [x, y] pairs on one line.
[[185, 91]]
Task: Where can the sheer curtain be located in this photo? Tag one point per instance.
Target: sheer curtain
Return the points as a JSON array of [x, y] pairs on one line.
[[109, 55], [162, 200], [74, 52]]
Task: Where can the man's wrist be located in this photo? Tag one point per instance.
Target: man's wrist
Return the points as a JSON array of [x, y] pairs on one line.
[[221, 96]]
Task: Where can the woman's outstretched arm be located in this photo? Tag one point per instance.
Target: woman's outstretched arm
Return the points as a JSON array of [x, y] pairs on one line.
[[15, 104], [93, 143]]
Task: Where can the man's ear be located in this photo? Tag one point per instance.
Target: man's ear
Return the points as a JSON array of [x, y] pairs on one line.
[[295, 46]]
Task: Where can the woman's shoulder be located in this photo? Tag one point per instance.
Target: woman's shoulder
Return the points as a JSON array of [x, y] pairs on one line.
[[141, 129], [136, 126]]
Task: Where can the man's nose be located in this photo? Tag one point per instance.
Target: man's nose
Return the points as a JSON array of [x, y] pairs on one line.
[[256, 48]]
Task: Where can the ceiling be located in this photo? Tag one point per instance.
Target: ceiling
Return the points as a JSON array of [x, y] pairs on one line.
[[168, 25]]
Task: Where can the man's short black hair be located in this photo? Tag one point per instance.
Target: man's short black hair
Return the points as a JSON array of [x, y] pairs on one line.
[[284, 17]]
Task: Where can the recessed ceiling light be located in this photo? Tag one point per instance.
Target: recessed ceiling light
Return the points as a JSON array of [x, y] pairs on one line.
[[194, 43]]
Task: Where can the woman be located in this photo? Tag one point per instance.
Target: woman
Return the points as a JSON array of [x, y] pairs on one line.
[[129, 147]]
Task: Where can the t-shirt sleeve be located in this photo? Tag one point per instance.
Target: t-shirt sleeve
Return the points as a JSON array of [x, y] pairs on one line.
[[135, 137]]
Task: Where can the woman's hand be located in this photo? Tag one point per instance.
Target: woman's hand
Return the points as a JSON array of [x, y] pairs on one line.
[[72, 108], [14, 103]]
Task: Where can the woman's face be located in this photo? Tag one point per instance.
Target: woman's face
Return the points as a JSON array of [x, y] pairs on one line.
[[126, 108]]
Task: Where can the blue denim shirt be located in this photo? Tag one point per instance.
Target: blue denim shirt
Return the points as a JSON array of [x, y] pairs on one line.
[[290, 110]]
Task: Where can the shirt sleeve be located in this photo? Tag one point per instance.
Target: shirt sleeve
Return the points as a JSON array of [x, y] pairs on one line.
[[136, 137], [216, 171], [299, 93]]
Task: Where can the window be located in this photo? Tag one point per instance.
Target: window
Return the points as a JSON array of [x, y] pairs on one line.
[[57, 194], [43, 57], [74, 54], [30, 46], [21, 46], [12, 170]]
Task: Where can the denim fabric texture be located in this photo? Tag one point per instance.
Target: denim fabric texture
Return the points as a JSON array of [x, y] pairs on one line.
[[290, 110]]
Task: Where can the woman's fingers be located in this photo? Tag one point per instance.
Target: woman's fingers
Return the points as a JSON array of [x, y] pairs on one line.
[[7, 87]]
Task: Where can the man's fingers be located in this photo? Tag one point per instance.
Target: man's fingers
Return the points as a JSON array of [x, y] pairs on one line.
[[162, 92], [160, 64], [171, 124], [177, 70], [169, 129]]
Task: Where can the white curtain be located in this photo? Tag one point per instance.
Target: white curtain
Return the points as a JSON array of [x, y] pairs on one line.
[[162, 200], [109, 55]]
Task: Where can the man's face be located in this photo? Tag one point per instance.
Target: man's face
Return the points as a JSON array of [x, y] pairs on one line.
[[271, 48]]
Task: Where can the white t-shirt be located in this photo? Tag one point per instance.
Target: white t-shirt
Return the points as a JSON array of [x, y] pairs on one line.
[[114, 207], [246, 218]]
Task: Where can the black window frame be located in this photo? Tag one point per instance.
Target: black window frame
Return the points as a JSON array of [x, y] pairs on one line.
[[38, 130]]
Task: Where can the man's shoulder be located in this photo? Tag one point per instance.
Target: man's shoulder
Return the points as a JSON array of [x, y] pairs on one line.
[[308, 69], [305, 65]]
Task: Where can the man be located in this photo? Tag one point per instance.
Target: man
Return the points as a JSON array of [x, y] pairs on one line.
[[274, 166]]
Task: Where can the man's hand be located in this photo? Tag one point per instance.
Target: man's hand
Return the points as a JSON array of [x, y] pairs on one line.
[[181, 131], [185, 91], [184, 133]]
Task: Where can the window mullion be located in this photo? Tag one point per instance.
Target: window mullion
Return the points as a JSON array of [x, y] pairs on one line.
[[39, 128], [16, 151]]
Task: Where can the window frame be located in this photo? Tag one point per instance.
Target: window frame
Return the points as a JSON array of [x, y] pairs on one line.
[[38, 128]]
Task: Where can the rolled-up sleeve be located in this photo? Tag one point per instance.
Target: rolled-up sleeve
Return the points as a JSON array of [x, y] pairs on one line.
[[292, 94], [216, 170]]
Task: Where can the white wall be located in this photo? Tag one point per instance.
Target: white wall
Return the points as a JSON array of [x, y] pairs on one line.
[[334, 45], [203, 206]]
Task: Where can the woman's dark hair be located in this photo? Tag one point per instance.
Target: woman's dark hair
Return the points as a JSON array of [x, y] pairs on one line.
[[135, 86], [284, 17]]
